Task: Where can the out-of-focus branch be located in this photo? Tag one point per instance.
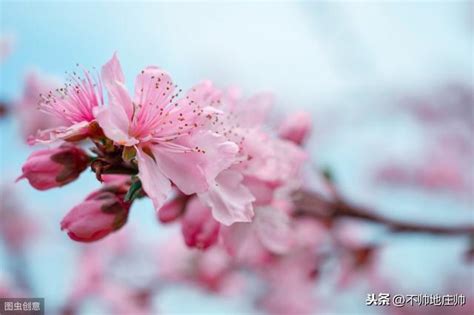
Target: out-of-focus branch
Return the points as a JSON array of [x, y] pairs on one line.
[[4, 110], [316, 205], [312, 204]]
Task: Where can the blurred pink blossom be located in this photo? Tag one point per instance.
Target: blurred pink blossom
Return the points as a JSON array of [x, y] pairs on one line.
[[6, 46], [94, 279], [31, 119], [291, 282], [270, 229], [198, 227], [435, 173], [212, 270], [8, 289], [17, 228], [446, 160], [296, 127]]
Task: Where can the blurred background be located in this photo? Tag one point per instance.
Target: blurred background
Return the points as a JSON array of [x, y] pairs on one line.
[[389, 87]]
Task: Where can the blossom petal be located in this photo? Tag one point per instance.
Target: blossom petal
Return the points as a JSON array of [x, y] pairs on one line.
[[205, 93], [114, 122], [192, 172], [273, 229], [114, 82], [198, 227], [296, 127], [261, 190], [242, 243], [112, 71], [115, 118], [238, 237], [60, 133], [229, 200], [277, 161], [155, 184], [254, 111], [153, 87]]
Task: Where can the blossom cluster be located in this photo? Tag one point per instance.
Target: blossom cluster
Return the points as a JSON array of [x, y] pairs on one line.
[[217, 165], [206, 157], [443, 116]]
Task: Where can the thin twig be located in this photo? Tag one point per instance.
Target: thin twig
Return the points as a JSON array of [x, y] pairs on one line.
[[315, 205]]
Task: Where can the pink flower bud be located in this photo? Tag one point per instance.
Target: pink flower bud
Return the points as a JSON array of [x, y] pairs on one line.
[[103, 212], [296, 128], [173, 209], [198, 226], [51, 168]]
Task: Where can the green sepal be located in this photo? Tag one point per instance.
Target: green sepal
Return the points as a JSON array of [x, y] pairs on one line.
[[328, 174], [134, 191], [129, 153]]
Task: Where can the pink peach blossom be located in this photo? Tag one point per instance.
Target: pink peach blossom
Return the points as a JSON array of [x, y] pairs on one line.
[[275, 162], [49, 168], [229, 199], [168, 134], [76, 103], [260, 168]]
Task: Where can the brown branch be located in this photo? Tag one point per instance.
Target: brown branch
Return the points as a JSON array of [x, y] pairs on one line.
[[316, 205], [102, 166]]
